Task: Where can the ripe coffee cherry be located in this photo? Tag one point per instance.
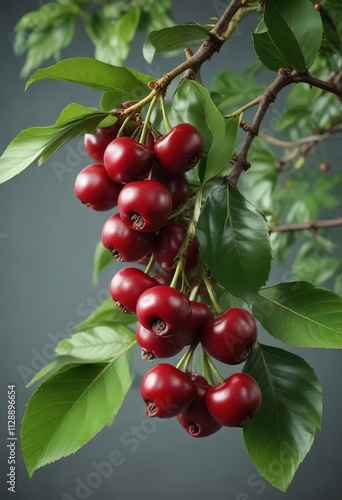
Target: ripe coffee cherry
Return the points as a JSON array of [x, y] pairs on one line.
[[127, 285], [154, 346], [96, 143], [144, 205], [168, 243], [95, 189], [125, 244], [166, 391], [163, 310], [176, 184], [127, 160], [180, 149], [319, 6], [230, 337], [200, 315], [196, 419], [234, 402]]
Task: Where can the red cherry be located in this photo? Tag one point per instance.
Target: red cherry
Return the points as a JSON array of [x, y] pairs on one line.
[[319, 7], [167, 391], [144, 205], [125, 244], [180, 149], [154, 346], [127, 285], [234, 402], [196, 419], [168, 243], [95, 189], [163, 310], [230, 337], [96, 143], [126, 160], [176, 184], [200, 315]]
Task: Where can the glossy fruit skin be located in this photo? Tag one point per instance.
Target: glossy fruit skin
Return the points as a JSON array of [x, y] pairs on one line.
[[96, 143], [234, 402], [154, 346], [126, 160], [144, 205], [167, 244], [163, 310], [180, 149], [196, 419], [125, 244], [166, 391], [319, 7], [95, 189], [127, 285], [230, 337], [200, 315], [176, 184]]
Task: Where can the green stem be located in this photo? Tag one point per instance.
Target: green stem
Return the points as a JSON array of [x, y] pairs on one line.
[[213, 368], [194, 292], [122, 128], [147, 120], [149, 265], [188, 237], [140, 104], [211, 292], [206, 368], [165, 118], [243, 108]]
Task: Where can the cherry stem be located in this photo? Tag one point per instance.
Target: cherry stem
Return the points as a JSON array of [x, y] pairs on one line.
[[211, 291], [122, 128], [188, 237], [206, 368], [194, 292], [147, 120], [213, 368], [165, 118], [186, 358], [149, 265]]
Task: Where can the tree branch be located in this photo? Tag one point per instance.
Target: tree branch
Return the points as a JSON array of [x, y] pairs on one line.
[[311, 225], [316, 82], [240, 162]]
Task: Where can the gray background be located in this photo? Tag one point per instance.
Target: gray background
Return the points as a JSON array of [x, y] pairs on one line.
[[46, 253]]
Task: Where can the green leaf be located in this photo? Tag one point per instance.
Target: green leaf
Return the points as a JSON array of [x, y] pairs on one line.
[[173, 39], [102, 258], [112, 36], [313, 264], [46, 15], [98, 344], [295, 28], [96, 75], [291, 117], [48, 42], [39, 143], [265, 49], [280, 435], [234, 243], [193, 104], [301, 315], [106, 314], [63, 413], [53, 367], [262, 178], [229, 85]]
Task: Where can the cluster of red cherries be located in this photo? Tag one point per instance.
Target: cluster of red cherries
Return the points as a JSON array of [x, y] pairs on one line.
[[147, 182]]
